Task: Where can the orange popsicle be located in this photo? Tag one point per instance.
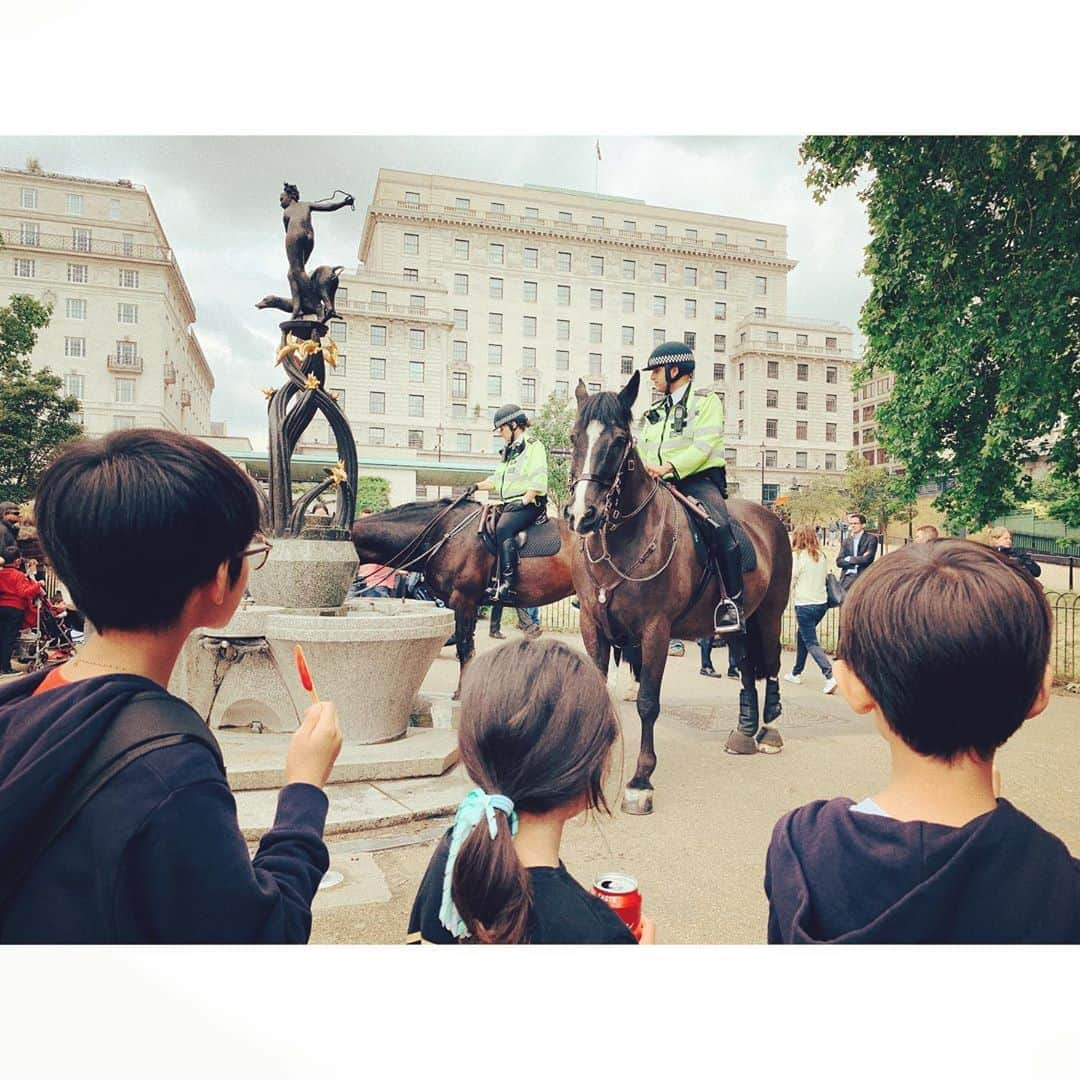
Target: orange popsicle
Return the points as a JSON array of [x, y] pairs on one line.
[[305, 674]]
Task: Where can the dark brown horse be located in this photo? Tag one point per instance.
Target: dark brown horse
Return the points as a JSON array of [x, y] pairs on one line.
[[439, 539], [641, 582]]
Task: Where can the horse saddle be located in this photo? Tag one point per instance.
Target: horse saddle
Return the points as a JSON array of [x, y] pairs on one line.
[[539, 540], [698, 529]]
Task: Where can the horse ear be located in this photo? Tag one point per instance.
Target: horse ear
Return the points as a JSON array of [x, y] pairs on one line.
[[581, 394], [628, 394]]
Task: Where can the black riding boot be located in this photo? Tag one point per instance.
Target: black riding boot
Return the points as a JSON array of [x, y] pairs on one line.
[[728, 617], [508, 564]]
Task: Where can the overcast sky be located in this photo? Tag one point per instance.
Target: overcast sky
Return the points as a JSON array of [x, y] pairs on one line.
[[217, 199]]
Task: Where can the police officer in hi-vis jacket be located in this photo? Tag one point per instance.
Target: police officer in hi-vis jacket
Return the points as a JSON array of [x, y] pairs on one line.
[[682, 441], [520, 484]]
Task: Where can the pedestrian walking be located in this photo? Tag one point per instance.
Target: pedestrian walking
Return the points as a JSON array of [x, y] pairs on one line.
[[808, 572]]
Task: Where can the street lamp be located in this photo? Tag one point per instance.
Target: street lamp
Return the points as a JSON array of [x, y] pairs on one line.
[[438, 440]]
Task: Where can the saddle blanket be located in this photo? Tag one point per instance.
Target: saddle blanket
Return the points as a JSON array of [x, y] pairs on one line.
[[540, 540], [747, 554]]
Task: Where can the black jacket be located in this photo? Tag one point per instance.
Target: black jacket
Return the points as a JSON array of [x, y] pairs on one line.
[[1021, 560], [867, 553], [9, 536]]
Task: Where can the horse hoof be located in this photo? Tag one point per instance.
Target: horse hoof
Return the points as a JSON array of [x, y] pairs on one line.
[[769, 741], [738, 743], [637, 801]]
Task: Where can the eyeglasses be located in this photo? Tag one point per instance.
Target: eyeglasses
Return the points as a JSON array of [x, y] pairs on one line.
[[261, 547]]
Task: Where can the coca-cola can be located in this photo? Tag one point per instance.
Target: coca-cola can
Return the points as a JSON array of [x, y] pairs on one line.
[[620, 892]]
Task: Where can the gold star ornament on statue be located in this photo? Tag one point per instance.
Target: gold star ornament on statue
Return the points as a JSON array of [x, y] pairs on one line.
[[311, 382], [337, 473]]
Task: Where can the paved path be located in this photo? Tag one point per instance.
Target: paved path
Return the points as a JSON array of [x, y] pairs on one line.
[[700, 857]]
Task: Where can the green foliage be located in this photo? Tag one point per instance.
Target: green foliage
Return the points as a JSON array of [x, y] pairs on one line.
[[818, 502], [552, 427], [974, 306], [372, 493], [1057, 498], [35, 419], [871, 491]]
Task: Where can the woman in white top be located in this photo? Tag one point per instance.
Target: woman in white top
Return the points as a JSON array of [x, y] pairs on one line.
[[808, 594]]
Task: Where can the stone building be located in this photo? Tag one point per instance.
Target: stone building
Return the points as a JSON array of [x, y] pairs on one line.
[[120, 334]]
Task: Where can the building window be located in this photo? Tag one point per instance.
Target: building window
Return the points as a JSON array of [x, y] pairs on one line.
[[830, 343], [129, 279], [771, 428], [339, 331], [802, 372], [495, 288], [496, 253], [416, 439], [770, 459], [376, 401], [802, 339], [830, 433], [410, 273], [719, 342], [659, 305], [628, 335], [596, 299], [412, 198], [376, 436], [498, 208], [80, 239], [494, 386], [628, 303], [741, 402], [596, 364], [830, 375], [659, 273], [562, 390], [854, 438], [761, 286], [528, 391], [76, 309], [416, 303], [562, 360], [594, 388], [123, 423], [830, 403], [720, 279], [597, 221], [533, 213], [562, 329], [529, 327], [74, 385], [461, 319], [830, 463], [596, 265], [772, 337], [854, 416], [378, 335], [565, 217], [459, 384], [416, 371], [741, 428], [461, 203], [125, 313], [742, 372], [691, 234], [28, 198], [690, 309], [78, 273], [800, 459], [801, 427], [772, 399], [562, 295], [630, 226], [529, 292], [802, 401], [75, 346], [464, 443], [378, 299], [461, 352], [412, 244], [759, 242], [690, 275], [532, 257], [416, 404], [495, 322], [626, 365], [24, 268], [74, 204], [377, 370], [528, 356], [659, 336], [562, 260], [461, 284], [461, 250], [690, 338], [759, 313], [718, 372], [596, 332], [30, 233], [659, 230], [629, 269], [495, 355]]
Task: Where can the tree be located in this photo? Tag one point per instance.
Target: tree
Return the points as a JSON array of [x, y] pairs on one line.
[[35, 419], [872, 492], [818, 502], [974, 306], [553, 427]]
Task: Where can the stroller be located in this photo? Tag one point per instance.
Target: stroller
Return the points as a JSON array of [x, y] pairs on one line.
[[49, 642]]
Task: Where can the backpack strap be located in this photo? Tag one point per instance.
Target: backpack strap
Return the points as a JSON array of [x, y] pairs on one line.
[[151, 720]]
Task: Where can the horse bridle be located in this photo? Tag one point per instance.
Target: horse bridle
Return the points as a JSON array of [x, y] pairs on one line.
[[610, 512]]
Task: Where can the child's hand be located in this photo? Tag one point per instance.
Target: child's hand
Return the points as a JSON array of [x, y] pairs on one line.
[[315, 746], [648, 931]]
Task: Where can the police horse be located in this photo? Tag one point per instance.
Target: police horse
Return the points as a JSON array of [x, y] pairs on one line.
[[641, 571]]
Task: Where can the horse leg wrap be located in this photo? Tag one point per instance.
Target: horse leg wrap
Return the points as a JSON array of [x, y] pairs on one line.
[[748, 711], [773, 708]]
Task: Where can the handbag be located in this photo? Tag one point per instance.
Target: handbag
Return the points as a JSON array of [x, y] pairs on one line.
[[834, 591]]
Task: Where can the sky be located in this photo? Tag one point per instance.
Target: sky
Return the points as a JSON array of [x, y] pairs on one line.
[[217, 198]]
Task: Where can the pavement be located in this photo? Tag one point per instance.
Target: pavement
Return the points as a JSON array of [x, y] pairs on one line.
[[700, 857]]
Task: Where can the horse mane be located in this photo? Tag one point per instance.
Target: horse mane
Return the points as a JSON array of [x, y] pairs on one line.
[[412, 513], [606, 407]]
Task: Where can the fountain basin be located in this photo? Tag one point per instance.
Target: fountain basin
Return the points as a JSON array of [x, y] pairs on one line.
[[300, 572]]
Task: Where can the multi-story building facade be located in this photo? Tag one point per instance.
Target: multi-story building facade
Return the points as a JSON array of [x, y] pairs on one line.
[[120, 333], [470, 294], [864, 406]]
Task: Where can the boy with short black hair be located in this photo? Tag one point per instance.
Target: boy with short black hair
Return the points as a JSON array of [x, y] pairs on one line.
[[152, 533], [935, 857]]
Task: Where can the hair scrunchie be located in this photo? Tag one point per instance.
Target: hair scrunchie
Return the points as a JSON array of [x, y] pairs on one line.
[[470, 812]]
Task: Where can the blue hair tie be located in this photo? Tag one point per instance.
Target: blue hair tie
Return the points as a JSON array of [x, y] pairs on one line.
[[470, 812]]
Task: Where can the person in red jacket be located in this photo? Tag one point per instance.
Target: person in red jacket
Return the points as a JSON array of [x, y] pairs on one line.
[[18, 596]]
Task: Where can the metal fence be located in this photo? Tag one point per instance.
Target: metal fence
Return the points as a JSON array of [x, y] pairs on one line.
[[562, 616]]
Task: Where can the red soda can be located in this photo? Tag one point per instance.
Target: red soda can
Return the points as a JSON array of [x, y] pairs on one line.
[[620, 892]]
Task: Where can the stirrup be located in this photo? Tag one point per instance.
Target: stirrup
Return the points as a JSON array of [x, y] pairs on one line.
[[728, 617]]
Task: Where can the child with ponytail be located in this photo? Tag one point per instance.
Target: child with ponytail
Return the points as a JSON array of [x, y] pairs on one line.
[[537, 731]]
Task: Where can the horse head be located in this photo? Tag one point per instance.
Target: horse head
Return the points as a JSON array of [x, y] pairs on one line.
[[601, 443]]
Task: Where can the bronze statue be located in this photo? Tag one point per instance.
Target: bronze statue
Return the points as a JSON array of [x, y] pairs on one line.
[[312, 294]]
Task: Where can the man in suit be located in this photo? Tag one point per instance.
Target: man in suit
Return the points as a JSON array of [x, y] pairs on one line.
[[857, 552]]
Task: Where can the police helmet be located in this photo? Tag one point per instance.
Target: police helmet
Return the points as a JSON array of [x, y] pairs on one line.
[[509, 414], [671, 354]]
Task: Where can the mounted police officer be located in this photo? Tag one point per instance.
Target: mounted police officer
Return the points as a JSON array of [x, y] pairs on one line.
[[520, 484], [682, 441]]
